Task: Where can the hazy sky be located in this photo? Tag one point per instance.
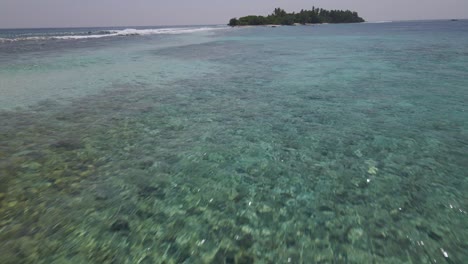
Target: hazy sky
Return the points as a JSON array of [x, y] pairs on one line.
[[67, 13]]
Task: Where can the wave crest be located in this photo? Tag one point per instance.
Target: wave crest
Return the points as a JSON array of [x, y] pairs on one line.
[[378, 22], [115, 33]]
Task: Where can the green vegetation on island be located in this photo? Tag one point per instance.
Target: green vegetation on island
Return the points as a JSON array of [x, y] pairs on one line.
[[314, 16]]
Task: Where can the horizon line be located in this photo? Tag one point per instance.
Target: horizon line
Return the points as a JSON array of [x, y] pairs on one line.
[[129, 26]]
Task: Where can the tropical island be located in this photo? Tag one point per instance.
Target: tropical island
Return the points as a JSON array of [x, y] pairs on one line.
[[313, 16]]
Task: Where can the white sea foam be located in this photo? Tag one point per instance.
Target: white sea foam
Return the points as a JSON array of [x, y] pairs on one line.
[[379, 22], [124, 32]]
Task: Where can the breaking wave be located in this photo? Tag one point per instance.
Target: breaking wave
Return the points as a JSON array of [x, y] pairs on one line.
[[112, 33], [378, 22]]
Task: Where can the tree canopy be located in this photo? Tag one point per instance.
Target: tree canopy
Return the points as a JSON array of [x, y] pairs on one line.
[[313, 16]]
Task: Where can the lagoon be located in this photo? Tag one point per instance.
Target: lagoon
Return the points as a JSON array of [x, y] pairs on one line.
[[328, 144]]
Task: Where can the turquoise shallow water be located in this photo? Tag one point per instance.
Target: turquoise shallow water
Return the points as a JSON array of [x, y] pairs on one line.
[[323, 144]]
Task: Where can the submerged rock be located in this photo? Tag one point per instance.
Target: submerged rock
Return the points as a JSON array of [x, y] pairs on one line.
[[355, 234], [224, 255], [435, 236], [120, 225], [146, 162], [67, 144], [245, 241], [102, 193], [152, 191], [244, 259]]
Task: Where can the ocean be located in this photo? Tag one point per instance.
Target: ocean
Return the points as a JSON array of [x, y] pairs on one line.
[[208, 144]]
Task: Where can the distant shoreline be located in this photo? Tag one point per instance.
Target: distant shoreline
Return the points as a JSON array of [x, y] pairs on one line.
[[313, 16], [299, 25]]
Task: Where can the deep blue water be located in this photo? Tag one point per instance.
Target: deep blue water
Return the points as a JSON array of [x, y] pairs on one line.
[[309, 144]]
